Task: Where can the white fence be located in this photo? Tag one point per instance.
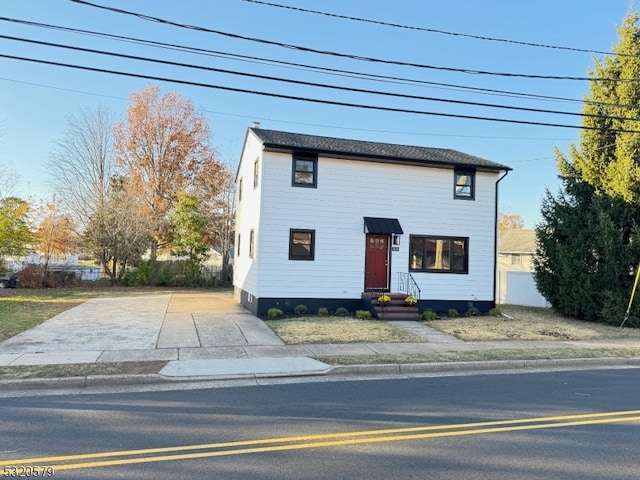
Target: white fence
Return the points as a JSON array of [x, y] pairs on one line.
[[81, 273], [63, 263], [54, 259], [519, 288]]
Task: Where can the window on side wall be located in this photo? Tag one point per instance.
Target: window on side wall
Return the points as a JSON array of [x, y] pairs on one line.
[[238, 247], [464, 184], [304, 171], [301, 244], [256, 173], [252, 243], [239, 189], [438, 254]]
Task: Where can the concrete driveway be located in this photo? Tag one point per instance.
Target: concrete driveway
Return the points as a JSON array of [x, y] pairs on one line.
[[198, 334], [147, 321]]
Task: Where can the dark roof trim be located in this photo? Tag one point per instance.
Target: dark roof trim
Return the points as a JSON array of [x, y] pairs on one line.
[[276, 141], [382, 226]]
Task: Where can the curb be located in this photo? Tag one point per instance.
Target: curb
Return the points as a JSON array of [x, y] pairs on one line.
[[79, 382], [37, 383], [340, 370], [495, 365]]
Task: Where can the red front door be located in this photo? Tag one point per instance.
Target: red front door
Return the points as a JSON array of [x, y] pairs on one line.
[[377, 262]]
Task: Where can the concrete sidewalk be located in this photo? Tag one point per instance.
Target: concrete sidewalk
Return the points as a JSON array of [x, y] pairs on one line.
[[209, 336]]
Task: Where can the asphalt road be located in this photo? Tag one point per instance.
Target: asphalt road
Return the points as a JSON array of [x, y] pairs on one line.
[[563, 425]]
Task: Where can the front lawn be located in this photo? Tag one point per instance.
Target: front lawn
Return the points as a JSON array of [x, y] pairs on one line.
[[528, 323], [23, 309], [338, 330]]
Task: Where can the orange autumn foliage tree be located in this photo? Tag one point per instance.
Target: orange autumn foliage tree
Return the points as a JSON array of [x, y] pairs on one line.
[[510, 221], [55, 233], [162, 147]]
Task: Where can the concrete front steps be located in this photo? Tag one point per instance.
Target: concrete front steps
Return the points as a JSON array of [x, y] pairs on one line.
[[396, 309]]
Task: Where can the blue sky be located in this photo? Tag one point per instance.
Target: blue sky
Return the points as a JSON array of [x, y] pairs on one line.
[[36, 98]]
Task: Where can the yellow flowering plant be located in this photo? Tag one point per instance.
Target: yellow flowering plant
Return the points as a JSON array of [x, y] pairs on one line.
[[384, 299], [410, 300]]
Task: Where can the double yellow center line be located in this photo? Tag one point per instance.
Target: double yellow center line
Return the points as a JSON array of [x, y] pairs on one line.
[[127, 457]]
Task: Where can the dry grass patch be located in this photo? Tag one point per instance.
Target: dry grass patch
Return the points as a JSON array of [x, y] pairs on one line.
[[27, 309], [80, 370], [482, 356], [528, 323], [338, 330]]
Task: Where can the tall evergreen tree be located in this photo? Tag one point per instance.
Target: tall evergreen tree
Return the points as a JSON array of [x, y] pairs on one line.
[[589, 237]]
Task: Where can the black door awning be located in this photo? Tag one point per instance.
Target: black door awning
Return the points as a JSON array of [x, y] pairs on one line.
[[382, 226]]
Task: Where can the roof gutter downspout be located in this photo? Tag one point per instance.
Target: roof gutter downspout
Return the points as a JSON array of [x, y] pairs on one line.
[[495, 241]]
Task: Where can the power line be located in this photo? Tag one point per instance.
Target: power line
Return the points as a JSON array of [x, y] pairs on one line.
[[62, 89], [277, 120], [309, 99], [552, 158], [346, 55], [307, 83], [331, 71], [433, 30]]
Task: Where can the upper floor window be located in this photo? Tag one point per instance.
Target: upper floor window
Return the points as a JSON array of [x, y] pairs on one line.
[[240, 189], [301, 244], [305, 171], [464, 184], [439, 254], [256, 173]]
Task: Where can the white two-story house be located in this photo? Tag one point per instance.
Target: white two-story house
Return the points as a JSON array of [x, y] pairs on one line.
[[320, 221]]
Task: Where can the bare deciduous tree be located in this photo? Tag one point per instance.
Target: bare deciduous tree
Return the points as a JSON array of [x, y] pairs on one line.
[[117, 234], [216, 189], [8, 180], [82, 163]]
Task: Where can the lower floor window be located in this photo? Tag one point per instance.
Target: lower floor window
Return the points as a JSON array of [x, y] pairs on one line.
[[301, 244], [438, 254]]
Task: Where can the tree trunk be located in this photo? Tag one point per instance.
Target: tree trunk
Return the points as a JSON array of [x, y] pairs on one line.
[[104, 261], [123, 269], [114, 268]]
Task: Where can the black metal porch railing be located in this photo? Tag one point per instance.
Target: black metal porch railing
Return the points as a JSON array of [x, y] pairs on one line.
[[407, 284]]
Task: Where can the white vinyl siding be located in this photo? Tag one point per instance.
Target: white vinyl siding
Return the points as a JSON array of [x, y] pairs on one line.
[[245, 274], [420, 198]]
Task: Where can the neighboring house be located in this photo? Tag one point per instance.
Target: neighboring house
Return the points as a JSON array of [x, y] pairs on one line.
[[216, 256], [516, 249], [516, 284], [321, 221], [215, 263]]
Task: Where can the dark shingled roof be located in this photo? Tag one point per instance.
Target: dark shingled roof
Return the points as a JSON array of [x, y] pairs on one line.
[[274, 140]]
